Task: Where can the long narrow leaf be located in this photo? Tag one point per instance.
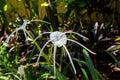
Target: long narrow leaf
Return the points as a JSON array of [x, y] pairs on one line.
[[81, 63], [59, 75], [99, 75], [115, 59], [90, 65]]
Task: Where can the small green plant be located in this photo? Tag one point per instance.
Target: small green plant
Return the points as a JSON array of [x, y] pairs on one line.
[[95, 75]]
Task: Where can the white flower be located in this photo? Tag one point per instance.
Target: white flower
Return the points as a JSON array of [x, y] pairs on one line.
[[23, 28], [60, 39]]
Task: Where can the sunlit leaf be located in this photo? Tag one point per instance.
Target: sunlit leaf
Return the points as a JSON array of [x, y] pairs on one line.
[[117, 39], [113, 48], [46, 75], [45, 4], [4, 78], [5, 7]]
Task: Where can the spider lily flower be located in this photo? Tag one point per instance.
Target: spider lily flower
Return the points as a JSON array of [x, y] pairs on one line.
[[23, 28], [60, 39]]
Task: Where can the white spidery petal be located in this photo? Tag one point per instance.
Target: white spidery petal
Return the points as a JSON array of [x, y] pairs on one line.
[[82, 46], [41, 35], [80, 35], [58, 38], [8, 39], [40, 21], [70, 58], [42, 51]]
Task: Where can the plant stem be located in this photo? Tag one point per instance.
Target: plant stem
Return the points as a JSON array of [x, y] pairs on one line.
[[54, 54]]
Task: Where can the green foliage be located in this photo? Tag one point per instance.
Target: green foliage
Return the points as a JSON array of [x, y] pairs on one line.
[[95, 74], [80, 15], [115, 59], [4, 78]]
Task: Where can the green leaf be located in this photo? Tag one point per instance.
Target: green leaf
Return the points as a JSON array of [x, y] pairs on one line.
[[59, 75], [46, 75], [99, 75], [2, 4], [5, 7], [4, 78], [90, 65], [81, 63], [115, 59], [82, 4], [117, 47]]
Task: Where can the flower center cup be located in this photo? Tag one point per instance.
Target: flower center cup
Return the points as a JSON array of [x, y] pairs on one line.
[[58, 38]]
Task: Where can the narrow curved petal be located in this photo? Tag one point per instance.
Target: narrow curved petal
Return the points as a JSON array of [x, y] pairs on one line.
[[11, 49], [42, 51], [82, 46], [70, 59], [41, 35], [77, 34], [8, 39], [25, 34], [40, 21]]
